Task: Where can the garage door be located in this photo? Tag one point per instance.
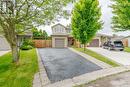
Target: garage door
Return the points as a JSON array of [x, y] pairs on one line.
[[94, 43], [59, 42]]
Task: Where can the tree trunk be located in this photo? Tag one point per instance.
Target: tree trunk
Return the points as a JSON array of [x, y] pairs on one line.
[[15, 54], [84, 47]]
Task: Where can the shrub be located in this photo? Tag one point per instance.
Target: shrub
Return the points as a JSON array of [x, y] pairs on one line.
[[27, 45]]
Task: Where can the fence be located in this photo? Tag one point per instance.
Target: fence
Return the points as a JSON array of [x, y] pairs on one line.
[[42, 43]]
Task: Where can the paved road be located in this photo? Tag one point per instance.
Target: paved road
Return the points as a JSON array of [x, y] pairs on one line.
[[118, 56], [63, 64], [120, 80]]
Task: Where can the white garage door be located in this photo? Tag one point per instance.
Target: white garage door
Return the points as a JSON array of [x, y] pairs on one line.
[[59, 42]]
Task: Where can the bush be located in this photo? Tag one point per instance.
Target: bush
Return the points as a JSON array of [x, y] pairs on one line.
[[27, 45]]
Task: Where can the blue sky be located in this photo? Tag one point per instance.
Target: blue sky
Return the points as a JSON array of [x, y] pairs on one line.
[[106, 18]]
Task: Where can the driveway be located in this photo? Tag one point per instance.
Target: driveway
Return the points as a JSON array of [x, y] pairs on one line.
[[63, 64], [3, 52], [120, 57]]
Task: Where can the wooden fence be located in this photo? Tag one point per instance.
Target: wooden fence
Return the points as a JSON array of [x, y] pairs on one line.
[[42, 43]]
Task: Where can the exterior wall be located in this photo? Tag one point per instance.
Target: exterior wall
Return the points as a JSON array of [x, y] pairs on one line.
[[53, 41]]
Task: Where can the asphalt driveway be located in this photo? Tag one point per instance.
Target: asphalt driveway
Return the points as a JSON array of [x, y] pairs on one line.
[[63, 64], [118, 56]]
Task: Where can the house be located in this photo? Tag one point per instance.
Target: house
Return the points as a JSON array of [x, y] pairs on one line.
[[61, 37], [126, 41], [99, 40], [4, 45]]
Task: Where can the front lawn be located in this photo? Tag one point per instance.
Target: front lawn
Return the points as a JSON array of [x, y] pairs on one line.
[[98, 56], [20, 75], [127, 49]]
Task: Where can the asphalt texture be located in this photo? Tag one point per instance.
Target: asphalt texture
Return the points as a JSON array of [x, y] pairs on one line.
[[62, 64]]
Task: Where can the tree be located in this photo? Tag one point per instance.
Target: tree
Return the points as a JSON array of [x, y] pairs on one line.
[[45, 35], [19, 16], [121, 18], [39, 33], [86, 20]]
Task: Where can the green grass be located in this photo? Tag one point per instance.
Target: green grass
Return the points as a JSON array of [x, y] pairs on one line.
[[127, 49], [20, 75], [98, 56]]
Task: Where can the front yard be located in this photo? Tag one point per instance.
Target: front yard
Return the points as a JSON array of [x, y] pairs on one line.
[[127, 49], [20, 75], [98, 56]]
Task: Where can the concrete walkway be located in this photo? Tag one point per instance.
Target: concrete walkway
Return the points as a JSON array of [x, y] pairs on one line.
[[3, 52], [120, 57]]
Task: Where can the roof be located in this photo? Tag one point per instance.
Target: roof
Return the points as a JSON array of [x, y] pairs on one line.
[[99, 34], [58, 24]]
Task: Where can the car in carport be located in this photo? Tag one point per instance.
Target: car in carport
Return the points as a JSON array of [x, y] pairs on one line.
[[113, 45]]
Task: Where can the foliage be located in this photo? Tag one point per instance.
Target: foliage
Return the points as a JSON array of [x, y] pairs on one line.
[[98, 56], [121, 19], [27, 44], [39, 33], [25, 14], [86, 20], [21, 75]]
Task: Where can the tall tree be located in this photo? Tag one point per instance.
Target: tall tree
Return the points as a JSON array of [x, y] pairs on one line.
[[121, 18], [17, 16], [86, 20]]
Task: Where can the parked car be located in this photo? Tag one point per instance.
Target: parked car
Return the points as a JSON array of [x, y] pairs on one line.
[[113, 45]]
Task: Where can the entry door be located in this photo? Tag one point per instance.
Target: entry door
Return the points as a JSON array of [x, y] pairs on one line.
[[59, 43]]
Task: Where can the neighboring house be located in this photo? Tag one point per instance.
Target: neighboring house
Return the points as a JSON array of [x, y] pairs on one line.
[[99, 40], [4, 45], [126, 41]]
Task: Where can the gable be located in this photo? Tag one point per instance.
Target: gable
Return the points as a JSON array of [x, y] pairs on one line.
[[58, 29]]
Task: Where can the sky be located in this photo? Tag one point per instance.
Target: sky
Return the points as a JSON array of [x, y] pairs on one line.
[[106, 18]]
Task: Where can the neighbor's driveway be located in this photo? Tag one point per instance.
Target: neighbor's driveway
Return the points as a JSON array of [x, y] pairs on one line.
[[118, 56], [3, 52], [63, 64]]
